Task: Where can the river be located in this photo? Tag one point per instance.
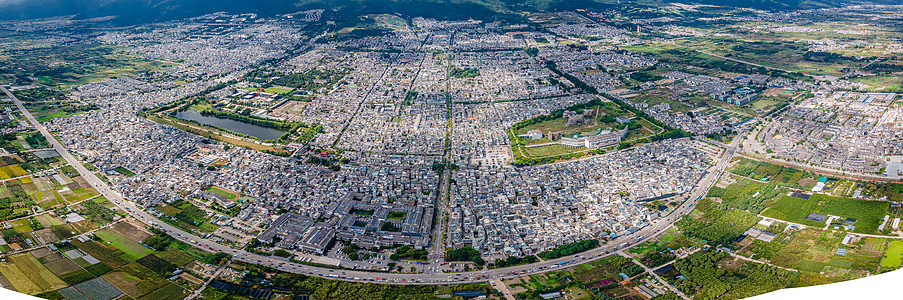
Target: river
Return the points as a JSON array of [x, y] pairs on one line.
[[260, 132]]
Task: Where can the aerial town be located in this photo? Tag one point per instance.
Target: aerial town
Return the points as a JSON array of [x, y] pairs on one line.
[[222, 154]]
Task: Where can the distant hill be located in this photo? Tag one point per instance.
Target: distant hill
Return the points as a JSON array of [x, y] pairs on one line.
[[144, 11]]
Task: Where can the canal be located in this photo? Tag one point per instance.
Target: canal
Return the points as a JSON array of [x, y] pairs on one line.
[[260, 132]]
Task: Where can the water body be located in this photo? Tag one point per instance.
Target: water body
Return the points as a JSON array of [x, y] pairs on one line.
[[262, 133]]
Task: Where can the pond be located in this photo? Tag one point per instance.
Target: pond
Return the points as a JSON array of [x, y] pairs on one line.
[[260, 132]]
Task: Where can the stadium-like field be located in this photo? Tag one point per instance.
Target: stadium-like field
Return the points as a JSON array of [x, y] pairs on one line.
[[222, 192]]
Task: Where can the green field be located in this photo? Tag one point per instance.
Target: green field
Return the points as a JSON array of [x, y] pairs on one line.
[[18, 279], [128, 246], [868, 214], [21, 226], [763, 105], [894, 255], [551, 150], [124, 171], [40, 276], [276, 90], [171, 291], [222, 192]]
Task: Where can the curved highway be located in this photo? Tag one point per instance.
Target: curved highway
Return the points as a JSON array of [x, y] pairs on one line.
[[649, 232]]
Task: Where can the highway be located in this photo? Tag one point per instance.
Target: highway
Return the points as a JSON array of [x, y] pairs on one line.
[[649, 232]]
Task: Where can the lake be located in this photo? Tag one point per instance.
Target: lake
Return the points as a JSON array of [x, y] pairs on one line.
[[260, 132]]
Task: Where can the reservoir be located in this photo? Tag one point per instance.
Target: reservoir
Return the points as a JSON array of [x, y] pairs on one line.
[[260, 132]]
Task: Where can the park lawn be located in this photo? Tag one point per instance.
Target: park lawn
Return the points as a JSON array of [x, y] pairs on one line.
[[128, 246], [43, 278], [893, 258], [222, 192]]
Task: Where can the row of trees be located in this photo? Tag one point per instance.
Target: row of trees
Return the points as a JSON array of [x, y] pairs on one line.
[[311, 80], [408, 252], [321, 288], [465, 254], [704, 277], [568, 249], [463, 73], [513, 261], [159, 241], [248, 118], [41, 93], [719, 226]]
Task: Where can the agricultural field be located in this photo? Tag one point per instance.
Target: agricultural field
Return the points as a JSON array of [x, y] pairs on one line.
[[595, 278], [47, 110], [772, 173], [657, 252], [893, 258], [709, 274], [128, 246], [187, 216], [28, 275], [105, 268], [84, 62], [749, 195], [717, 225], [867, 214]]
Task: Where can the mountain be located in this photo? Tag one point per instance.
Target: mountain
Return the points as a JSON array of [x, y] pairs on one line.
[[144, 11]]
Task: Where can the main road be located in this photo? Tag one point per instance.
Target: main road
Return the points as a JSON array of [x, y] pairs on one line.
[[649, 232]]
